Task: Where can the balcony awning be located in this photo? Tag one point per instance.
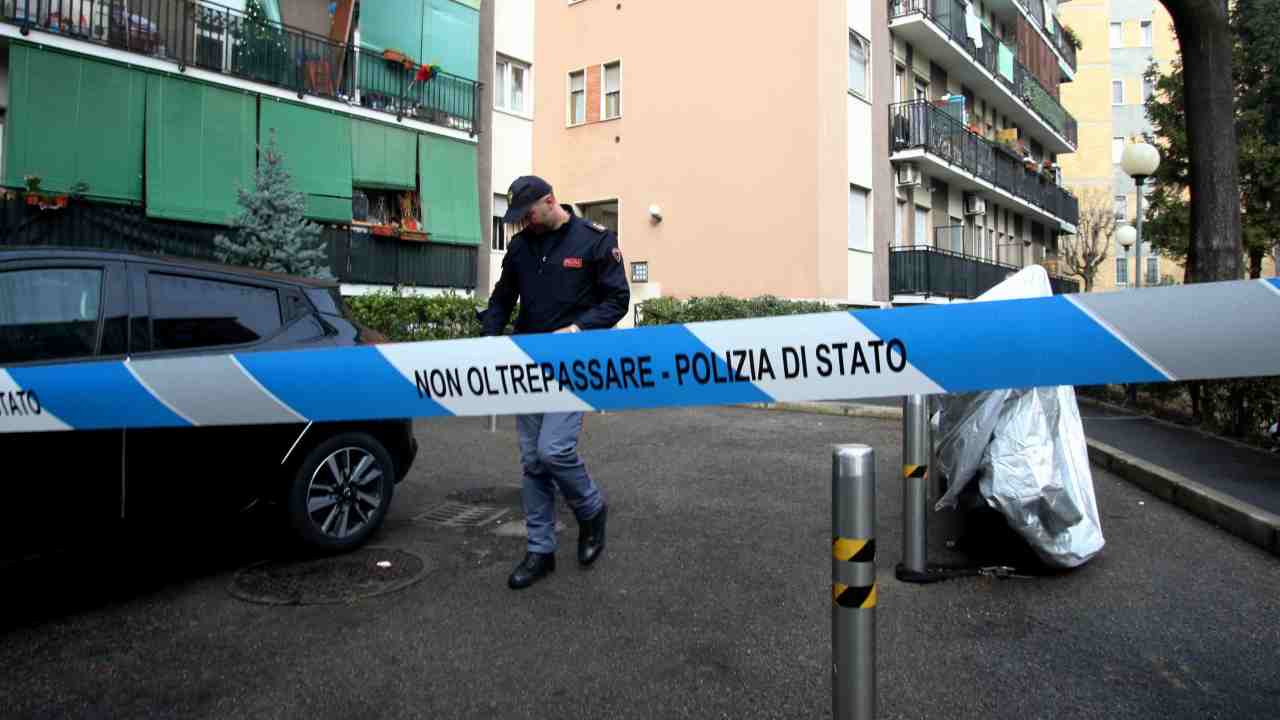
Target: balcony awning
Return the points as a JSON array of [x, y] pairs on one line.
[[325, 177], [450, 198]]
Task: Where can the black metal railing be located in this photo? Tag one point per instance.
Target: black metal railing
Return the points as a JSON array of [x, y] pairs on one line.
[[217, 38], [997, 57], [937, 272], [354, 257], [918, 124]]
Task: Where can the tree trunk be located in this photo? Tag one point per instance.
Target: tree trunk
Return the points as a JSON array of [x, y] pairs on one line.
[[1088, 282], [1255, 263], [1215, 251]]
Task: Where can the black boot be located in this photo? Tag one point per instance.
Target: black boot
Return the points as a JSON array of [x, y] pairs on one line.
[[533, 568], [591, 536]]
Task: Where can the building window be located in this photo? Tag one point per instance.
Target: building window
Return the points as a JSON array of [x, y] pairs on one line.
[[640, 271], [922, 227], [1117, 150], [1121, 206], [612, 90], [605, 213], [1122, 271], [922, 89], [858, 219], [510, 79], [859, 51], [1153, 271], [1146, 33], [1117, 92], [499, 235], [1148, 89], [1117, 35], [577, 97], [900, 224]]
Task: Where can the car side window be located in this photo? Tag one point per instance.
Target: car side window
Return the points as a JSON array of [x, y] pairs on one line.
[[49, 313], [191, 312]]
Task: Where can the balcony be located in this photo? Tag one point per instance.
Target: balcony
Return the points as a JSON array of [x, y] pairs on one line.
[[920, 131], [225, 41], [1058, 39], [938, 28], [932, 272]]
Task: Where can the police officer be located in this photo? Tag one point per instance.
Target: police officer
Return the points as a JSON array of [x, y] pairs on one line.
[[567, 274]]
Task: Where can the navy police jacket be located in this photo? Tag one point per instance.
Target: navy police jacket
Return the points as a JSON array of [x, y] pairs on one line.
[[570, 276]]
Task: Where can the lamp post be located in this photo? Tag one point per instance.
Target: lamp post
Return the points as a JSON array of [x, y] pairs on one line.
[[1139, 161], [1126, 235]]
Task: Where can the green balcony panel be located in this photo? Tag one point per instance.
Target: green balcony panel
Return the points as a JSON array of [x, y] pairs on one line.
[[392, 25], [451, 37], [450, 195], [74, 120], [200, 149], [316, 145], [383, 156]]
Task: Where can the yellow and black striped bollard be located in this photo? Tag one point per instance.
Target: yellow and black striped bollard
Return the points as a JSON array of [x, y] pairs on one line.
[[853, 582]]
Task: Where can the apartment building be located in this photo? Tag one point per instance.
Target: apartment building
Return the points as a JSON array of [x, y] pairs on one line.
[[511, 129], [898, 151], [132, 124]]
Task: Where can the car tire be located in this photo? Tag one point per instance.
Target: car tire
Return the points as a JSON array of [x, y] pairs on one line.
[[341, 492]]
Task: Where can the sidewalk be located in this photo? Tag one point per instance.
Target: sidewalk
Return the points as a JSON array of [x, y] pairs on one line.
[[1231, 485]]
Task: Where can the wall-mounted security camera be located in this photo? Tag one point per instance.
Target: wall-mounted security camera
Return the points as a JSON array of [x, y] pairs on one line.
[[655, 213]]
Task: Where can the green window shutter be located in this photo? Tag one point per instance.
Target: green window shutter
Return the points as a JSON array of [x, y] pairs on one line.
[[73, 120], [316, 145], [451, 38], [200, 149], [383, 157], [392, 25], [450, 195]]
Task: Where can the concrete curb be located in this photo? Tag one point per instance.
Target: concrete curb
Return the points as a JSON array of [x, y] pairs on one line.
[[1238, 517], [877, 412]]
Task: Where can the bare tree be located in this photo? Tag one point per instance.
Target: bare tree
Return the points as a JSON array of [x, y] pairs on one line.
[[1083, 253]]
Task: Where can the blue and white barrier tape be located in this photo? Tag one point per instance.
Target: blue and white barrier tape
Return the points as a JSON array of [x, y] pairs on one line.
[[1212, 330]]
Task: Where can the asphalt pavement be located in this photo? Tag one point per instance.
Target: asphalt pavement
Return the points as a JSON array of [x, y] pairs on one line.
[[712, 600]]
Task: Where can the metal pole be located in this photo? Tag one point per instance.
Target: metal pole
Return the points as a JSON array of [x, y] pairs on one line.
[[493, 423], [1138, 243], [853, 582], [915, 488]]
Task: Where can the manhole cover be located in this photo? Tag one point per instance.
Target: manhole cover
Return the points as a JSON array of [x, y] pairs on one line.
[[457, 514], [357, 575]]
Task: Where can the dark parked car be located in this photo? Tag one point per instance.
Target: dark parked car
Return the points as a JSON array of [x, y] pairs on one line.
[[333, 481]]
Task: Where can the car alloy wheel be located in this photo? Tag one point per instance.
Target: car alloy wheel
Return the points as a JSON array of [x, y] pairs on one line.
[[345, 492]]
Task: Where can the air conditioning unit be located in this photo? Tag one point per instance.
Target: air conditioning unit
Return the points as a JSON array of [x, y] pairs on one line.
[[974, 205], [908, 175]]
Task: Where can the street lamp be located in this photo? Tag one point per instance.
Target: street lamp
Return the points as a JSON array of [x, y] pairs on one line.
[[1139, 160], [1126, 236]]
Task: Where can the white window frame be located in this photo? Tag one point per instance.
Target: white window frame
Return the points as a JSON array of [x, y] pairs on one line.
[[604, 96], [1115, 83], [1122, 262], [1117, 39], [865, 92], [1120, 207], [568, 86], [923, 233], [868, 242], [1152, 264], [1117, 150], [503, 76], [1148, 33]]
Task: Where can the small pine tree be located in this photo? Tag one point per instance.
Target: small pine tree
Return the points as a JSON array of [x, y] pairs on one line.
[[272, 232]]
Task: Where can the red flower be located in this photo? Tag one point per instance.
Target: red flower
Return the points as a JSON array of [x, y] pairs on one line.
[[425, 73]]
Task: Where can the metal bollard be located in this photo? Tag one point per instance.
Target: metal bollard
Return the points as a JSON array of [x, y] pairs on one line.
[[916, 449], [853, 582], [493, 423]]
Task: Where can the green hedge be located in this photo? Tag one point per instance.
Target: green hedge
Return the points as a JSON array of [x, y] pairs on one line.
[[662, 311], [404, 318]]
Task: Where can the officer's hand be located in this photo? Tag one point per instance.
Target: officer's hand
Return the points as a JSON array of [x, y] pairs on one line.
[[568, 329]]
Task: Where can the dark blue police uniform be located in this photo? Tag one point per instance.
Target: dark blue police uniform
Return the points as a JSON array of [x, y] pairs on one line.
[[572, 275]]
